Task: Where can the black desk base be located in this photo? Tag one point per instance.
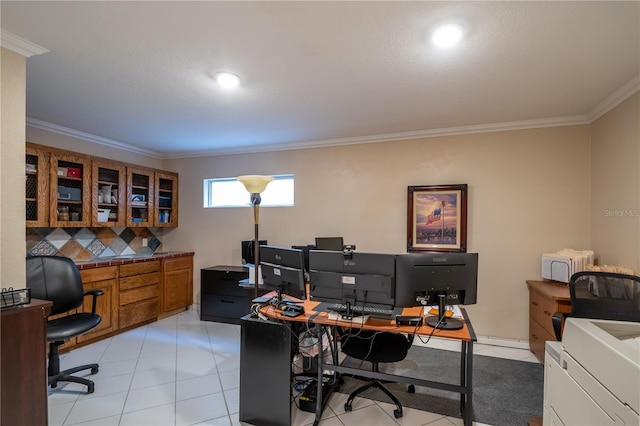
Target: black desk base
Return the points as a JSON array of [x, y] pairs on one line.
[[265, 372]]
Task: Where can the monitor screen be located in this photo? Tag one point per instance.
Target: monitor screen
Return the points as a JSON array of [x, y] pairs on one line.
[[421, 277], [248, 252], [283, 271], [360, 279], [329, 243]]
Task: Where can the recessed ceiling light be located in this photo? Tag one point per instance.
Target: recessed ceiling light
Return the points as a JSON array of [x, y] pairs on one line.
[[227, 80], [447, 35]]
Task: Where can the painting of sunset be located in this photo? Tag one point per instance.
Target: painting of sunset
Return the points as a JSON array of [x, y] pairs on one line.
[[436, 218]]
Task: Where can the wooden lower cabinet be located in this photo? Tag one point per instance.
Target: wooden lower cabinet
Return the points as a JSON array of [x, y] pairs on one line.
[[105, 279], [177, 283], [545, 299], [139, 296]]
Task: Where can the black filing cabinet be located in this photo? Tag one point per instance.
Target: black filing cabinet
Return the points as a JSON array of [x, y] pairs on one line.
[[222, 298]]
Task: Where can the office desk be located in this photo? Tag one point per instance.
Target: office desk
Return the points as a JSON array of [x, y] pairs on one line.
[[466, 336]]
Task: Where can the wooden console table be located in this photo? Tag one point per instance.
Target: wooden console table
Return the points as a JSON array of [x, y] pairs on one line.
[[23, 368]]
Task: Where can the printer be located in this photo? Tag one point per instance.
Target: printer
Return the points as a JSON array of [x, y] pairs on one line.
[[592, 377]]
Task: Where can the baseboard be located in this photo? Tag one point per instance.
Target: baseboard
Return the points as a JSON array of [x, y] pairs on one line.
[[500, 341]]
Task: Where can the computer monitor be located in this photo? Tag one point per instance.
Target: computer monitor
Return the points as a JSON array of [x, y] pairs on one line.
[[329, 243], [437, 279], [352, 279], [248, 253], [283, 271], [305, 252]]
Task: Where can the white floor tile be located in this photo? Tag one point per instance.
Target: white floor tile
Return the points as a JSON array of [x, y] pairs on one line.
[[163, 415], [230, 379], [141, 399], [197, 386], [58, 413], [371, 415], [148, 378], [195, 369], [201, 409], [105, 421], [108, 385], [96, 408]]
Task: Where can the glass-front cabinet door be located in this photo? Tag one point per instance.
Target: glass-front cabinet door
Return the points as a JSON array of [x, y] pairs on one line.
[[108, 194], [140, 197], [37, 187], [70, 180], [166, 199]]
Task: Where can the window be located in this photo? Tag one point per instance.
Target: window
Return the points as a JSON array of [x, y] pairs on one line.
[[228, 192]]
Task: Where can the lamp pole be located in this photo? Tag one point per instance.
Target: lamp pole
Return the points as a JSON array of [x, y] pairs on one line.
[[255, 184]]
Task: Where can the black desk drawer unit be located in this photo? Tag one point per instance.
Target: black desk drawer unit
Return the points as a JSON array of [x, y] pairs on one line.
[[222, 299]]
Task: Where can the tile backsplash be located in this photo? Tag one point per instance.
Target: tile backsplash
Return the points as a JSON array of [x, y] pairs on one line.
[[89, 243]]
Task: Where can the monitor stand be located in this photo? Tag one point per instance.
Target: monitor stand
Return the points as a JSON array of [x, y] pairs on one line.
[[441, 321]]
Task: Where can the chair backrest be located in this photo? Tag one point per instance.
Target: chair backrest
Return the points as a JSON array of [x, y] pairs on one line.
[[605, 295], [56, 279]]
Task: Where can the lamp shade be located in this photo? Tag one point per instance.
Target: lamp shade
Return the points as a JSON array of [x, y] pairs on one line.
[[255, 184]]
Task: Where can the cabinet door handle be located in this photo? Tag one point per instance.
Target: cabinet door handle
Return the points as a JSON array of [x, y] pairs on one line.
[[226, 301], [547, 313], [534, 337], [534, 303]]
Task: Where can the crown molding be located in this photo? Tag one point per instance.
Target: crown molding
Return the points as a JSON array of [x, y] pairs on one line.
[[21, 46], [615, 99], [482, 128], [43, 125]]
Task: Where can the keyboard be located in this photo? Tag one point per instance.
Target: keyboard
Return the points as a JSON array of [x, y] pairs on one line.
[[363, 310]]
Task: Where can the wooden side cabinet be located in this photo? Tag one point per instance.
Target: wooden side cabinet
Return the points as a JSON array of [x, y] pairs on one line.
[[23, 370], [37, 187], [177, 283], [545, 299], [139, 295], [105, 279]]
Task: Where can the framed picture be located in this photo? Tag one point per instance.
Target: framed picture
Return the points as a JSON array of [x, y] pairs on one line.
[[437, 218]]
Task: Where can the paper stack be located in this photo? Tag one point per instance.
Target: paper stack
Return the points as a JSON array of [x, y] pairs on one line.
[[559, 266]]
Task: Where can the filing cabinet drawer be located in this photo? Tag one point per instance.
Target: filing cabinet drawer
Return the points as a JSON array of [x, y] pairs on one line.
[[138, 294], [136, 313], [223, 280], [139, 268], [222, 308], [139, 281]]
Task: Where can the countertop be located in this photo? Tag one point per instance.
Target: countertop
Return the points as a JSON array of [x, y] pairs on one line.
[[100, 262]]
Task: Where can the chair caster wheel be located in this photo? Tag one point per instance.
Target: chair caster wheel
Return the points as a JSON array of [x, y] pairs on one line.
[[90, 388], [397, 413], [347, 408], [412, 389], [94, 370]]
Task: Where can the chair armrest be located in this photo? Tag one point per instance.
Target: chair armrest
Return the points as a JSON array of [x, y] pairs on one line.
[[95, 293], [557, 320]]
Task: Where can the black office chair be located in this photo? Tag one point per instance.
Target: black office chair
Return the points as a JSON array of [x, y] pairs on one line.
[[376, 347], [57, 279], [601, 295]]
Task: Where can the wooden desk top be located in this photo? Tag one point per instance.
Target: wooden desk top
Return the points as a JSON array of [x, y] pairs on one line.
[[311, 315]]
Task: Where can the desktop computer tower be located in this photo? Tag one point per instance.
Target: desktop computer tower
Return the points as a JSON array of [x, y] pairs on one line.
[[265, 372]]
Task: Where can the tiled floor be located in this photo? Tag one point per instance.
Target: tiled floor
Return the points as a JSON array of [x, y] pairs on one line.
[[182, 371]]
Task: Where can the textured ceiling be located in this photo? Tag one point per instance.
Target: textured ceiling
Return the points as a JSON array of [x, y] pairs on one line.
[[316, 73]]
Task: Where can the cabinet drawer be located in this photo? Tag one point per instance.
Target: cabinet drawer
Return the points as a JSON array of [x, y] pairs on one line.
[[138, 294], [139, 268], [139, 281], [538, 335], [221, 282], [99, 274], [225, 306], [136, 313], [542, 309], [178, 263]]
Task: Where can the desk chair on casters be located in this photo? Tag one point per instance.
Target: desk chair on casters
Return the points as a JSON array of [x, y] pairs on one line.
[[57, 279], [601, 295], [375, 347]]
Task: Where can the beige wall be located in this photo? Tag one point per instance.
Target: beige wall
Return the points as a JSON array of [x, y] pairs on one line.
[[615, 181], [12, 208], [528, 194]]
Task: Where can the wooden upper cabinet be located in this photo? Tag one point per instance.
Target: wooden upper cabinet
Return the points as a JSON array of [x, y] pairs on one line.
[[108, 194], [166, 212], [140, 197], [37, 187], [70, 191]]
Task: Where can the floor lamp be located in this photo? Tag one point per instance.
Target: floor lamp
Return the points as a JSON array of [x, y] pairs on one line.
[[255, 184]]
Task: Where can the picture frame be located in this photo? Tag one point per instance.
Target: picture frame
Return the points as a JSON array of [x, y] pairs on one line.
[[437, 218]]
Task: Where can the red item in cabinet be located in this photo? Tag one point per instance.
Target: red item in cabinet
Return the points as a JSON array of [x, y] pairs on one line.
[[73, 172]]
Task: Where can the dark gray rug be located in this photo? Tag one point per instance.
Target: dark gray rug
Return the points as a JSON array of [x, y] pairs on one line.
[[505, 392]]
